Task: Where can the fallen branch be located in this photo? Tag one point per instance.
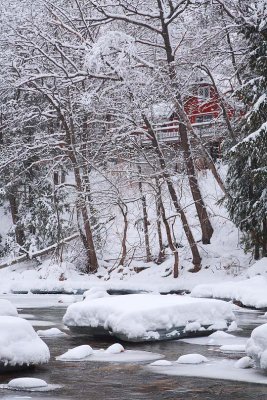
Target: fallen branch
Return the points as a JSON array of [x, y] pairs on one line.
[[39, 253]]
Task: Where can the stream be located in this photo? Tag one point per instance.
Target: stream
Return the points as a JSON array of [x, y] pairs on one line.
[[114, 381]]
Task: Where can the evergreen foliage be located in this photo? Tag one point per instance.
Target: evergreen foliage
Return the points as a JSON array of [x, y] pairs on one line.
[[247, 175]]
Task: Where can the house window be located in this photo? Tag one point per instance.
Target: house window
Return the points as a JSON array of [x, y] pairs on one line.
[[204, 92], [203, 118]]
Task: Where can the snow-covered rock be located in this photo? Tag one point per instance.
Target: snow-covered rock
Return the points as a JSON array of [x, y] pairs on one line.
[[192, 359], [257, 346], [77, 353], [115, 348], [7, 308], [244, 362], [51, 332], [141, 316], [27, 383], [20, 344]]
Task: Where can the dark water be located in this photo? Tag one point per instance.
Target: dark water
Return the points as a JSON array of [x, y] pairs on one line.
[[99, 381]]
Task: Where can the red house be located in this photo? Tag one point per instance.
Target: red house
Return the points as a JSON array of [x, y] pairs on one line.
[[204, 110]]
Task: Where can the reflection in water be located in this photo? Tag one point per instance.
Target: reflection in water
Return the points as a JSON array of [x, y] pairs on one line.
[[101, 381]]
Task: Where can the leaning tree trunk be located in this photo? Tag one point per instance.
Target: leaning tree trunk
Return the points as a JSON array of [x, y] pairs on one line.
[[170, 241], [161, 255], [206, 227], [19, 233], [145, 216], [189, 235]]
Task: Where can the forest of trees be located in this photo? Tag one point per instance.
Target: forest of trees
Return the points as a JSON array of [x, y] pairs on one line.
[[79, 81]]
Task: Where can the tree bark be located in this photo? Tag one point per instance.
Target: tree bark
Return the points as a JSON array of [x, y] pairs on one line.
[[145, 216]]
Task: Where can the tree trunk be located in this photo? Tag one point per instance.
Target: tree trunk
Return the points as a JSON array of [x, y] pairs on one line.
[[194, 249], [170, 241], [205, 224], [145, 216], [161, 255], [124, 237], [19, 234]]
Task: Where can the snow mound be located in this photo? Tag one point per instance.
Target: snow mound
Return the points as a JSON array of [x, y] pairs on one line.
[[192, 359], [20, 344], [244, 362], [115, 348], [220, 335], [51, 332], [238, 348], [7, 308], [257, 346], [77, 353], [27, 383], [218, 338], [143, 315], [161, 363]]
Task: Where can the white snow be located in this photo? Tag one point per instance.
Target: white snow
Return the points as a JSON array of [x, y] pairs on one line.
[[215, 369], [161, 363], [192, 359], [7, 308], [26, 383], [257, 346], [20, 344], [52, 332], [250, 292], [244, 362], [77, 353], [95, 292], [235, 348], [86, 353], [115, 348], [142, 315], [218, 338]]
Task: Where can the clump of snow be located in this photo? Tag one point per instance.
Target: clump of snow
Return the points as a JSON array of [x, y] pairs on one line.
[[192, 359], [7, 308], [51, 332], [27, 383], [96, 292], [257, 346], [115, 348], [77, 353], [161, 363], [244, 362], [20, 344], [238, 348], [220, 335], [218, 338], [142, 315]]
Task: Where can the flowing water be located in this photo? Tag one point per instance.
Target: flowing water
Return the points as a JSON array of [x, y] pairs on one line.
[[111, 381]]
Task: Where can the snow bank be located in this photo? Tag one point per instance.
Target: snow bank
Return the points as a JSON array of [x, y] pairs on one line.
[[20, 344], [250, 292], [114, 353], [218, 338], [215, 369], [257, 346], [7, 308], [143, 315]]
